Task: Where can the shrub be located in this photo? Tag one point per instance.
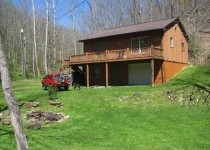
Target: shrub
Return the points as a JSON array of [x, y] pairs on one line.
[[52, 93]]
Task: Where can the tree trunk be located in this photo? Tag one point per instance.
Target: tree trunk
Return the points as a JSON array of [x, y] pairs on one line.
[[23, 57], [11, 102], [46, 39], [74, 36], [54, 34], [35, 61]]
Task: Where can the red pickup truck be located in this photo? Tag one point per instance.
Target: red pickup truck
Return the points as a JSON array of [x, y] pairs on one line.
[[59, 80]]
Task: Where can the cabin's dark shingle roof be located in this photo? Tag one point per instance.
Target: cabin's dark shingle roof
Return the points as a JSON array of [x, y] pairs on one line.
[[148, 26]]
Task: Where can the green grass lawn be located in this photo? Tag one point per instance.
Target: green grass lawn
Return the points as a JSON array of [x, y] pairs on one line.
[[111, 119]]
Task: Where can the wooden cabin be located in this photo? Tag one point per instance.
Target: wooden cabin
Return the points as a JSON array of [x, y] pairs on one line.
[[146, 53]]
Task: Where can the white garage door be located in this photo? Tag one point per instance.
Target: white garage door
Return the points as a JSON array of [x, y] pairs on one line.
[[139, 74]]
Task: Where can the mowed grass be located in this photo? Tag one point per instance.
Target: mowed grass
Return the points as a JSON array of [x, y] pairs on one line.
[[111, 119]]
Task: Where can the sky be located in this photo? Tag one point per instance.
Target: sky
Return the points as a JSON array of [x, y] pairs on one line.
[[63, 9]]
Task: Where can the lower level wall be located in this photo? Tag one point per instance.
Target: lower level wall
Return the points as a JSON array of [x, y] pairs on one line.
[[158, 72], [172, 68], [165, 70], [118, 72], [101, 80]]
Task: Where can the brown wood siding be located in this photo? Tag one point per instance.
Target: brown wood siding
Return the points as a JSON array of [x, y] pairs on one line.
[[175, 58], [171, 69], [175, 53], [165, 70], [124, 41], [158, 72], [121, 76], [98, 80]]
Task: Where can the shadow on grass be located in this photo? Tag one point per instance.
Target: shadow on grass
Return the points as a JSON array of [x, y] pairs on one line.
[[39, 142], [195, 83], [33, 97], [6, 132], [187, 82], [203, 87], [3, 108], [70, 138], [180, 82]]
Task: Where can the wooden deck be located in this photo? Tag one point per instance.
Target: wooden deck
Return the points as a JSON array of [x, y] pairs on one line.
[[114, 55]]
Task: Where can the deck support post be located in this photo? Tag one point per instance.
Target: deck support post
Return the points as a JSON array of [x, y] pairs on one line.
[[87, 75], [107, 74], [152, 72]]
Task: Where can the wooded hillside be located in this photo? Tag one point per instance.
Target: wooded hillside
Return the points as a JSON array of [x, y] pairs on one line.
[[35, 43]]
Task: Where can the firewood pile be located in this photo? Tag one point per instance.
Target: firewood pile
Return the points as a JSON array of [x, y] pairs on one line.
[[196, 95], [44, 116], [36, 119], [56, 103], [32, 104]]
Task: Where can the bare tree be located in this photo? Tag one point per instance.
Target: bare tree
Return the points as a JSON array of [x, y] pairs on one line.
[[25, 33], [160, 9], [46, 37], [120, 13], [54, 31], [35, 59], [11, 102], [33, 21], [135, 11], [44, 46], [74, 35]]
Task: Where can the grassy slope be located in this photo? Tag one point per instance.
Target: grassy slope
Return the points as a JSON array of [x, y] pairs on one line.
[[110, 119]]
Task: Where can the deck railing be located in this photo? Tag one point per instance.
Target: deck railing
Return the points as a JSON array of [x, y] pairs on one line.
[[116, 55]]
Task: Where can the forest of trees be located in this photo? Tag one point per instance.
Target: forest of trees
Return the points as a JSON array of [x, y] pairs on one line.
[[36, 44]]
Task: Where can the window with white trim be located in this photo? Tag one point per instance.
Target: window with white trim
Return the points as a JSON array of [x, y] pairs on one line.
[[182, 46], [140, 42], [171, 42]]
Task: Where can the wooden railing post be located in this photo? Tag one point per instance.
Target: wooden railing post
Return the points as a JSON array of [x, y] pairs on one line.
[[151, 50], [86, 56], [127, 52], [70, 59]]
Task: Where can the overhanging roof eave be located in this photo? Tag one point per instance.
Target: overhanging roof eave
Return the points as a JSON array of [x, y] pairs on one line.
[[87, 39]]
